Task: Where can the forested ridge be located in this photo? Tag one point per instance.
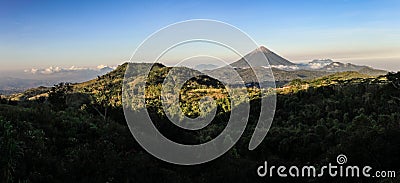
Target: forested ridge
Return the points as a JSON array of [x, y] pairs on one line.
[[78, 133]]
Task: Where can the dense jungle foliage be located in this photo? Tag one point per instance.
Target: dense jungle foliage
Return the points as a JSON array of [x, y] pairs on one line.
[[78, 133]]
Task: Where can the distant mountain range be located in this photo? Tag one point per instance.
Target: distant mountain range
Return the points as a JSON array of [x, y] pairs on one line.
[[283, 70]]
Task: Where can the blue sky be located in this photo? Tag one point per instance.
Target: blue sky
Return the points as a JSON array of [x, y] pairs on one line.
[[89, 33]]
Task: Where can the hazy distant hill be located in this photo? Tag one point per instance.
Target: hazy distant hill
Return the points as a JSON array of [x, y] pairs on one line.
[[372, 72], [340, 67], [9, 85], [49, 77], [202, 67], [284, 76]]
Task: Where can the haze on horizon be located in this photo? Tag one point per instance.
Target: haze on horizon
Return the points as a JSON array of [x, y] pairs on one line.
[[91, 33]]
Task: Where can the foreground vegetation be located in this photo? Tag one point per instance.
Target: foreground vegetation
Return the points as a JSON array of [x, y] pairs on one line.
[[77, 133]]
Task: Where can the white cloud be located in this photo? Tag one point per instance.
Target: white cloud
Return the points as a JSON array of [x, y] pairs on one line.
[[316, 65], [313, 65], [286, 67], [101, 66], [53, 70]]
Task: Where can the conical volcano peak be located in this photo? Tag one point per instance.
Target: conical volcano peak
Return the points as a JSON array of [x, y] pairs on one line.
[[263, 49], [257, 59]]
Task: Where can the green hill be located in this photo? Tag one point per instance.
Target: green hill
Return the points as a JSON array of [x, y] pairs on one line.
[[78, 132]]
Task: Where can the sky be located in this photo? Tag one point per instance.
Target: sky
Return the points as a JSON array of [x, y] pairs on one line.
[[39, 34]]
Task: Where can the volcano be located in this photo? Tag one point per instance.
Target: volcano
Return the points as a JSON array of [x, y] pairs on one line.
[[257, 59]]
